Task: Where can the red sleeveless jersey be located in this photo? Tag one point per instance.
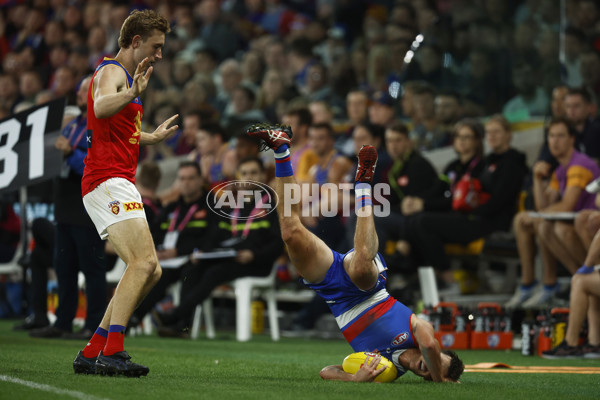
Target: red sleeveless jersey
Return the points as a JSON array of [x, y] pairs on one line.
[[113, 142]]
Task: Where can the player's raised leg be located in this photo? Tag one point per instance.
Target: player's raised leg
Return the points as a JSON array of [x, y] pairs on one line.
[[309, 254], [362, 269]]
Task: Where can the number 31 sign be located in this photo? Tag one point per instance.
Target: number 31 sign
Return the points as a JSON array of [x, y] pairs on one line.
[[27, 152]]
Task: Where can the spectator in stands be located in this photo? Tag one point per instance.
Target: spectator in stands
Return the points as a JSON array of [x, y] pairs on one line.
[[426, 134], [581, 114], [231, 76], [184, 141], [501, 177], [565, 191], [30, 83], [181, 227], [271, 90], [447, 112], [77, 246], [300, 59], [559, 110], [530, 96], [216, 33], [321, 112], [147, 182], [468, 145], [330, 167], [256, 240], [243, 112], [357, 105], [574, 45], [217, 161], [381, 110], [9, 91], [301, 156], [584, 300], [408, 174], [590, 71]]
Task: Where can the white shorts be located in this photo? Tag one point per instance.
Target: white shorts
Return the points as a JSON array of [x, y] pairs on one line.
[[112, 201]]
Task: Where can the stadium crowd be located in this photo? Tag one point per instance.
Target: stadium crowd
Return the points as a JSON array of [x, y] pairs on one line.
[[407, 76]]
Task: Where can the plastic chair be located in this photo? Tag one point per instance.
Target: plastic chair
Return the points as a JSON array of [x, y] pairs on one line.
[[243, 288]]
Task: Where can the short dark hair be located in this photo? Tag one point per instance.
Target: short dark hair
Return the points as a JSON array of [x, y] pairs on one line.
[[327, 126], [214, 129], [400, 128], [303, 114], [142, 23], [456, 367], [584, 93], [192, 164], [149, 176], [249, 159], [564, 121]]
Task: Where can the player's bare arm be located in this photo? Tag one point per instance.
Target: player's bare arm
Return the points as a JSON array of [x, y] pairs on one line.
[[111, 93], [430, 348], [367, 372], [161, 133]]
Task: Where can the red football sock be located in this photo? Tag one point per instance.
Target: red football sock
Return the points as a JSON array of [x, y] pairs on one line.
[[114, 343], [96, 343]]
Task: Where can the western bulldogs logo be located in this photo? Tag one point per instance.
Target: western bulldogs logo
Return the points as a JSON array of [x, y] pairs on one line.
[[493, 340], [447, 340], [401, 338], [114, 207]]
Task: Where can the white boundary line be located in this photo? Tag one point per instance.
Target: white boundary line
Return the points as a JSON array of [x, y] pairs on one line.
[[48, 388]]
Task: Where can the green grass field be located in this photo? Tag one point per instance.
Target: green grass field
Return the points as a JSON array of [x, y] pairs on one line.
[[259, 369]]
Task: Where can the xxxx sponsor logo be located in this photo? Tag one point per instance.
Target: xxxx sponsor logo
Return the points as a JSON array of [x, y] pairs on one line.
[[133, 205]]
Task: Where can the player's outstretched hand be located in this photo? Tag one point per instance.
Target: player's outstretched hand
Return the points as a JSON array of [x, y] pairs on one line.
[[140, 79], [164, 131], [369, 371]]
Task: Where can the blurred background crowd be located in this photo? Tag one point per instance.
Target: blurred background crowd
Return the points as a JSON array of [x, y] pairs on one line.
[[408, 76]]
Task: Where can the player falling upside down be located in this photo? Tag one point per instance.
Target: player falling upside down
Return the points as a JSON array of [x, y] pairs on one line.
[[110, 197], [353, 284]]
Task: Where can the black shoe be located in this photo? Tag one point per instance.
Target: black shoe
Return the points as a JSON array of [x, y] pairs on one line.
[[164, 319], [84, 365], [563, 350], [49, 332], [82, 334], [173, 331], [31, 323], [119, 364]]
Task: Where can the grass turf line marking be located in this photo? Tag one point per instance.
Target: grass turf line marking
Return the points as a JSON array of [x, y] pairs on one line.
[[48, 388]]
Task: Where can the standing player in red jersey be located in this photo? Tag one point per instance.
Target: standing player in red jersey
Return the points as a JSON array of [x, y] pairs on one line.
[[115, 206]]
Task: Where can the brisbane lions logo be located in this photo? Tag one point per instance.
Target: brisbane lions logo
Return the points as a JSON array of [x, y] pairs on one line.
[[401, 338], [114, 207]]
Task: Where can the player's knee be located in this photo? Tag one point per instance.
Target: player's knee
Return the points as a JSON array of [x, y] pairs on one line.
[[518, 221], [577, 281], [545, 229], [147, 265], [563, 231]]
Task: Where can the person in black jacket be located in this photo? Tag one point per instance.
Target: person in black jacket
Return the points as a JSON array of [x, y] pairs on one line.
[[409, 175], [178, 230], [502, 178], [468, 144], [249, 229]]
